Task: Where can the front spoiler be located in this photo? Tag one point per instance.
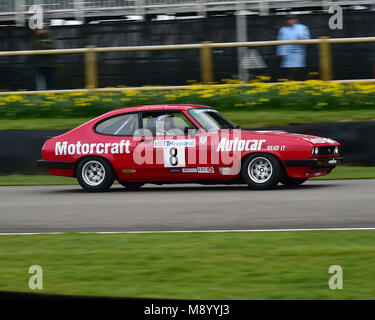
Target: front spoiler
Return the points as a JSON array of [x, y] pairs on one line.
[[55, 164], [314, 162]]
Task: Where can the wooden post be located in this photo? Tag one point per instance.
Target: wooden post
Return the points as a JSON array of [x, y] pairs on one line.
[[325, 59], [91, 68], [206, 63]]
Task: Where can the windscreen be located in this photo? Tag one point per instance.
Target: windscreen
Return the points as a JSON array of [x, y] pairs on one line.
[[211, 120]]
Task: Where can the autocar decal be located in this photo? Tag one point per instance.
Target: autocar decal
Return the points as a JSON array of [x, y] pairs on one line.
[[239, 145]]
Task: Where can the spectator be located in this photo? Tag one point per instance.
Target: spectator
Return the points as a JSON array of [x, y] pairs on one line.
[[293, 57], [44, 64]]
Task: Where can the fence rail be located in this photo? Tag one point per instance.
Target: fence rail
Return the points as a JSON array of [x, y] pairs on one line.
[[206, 59], [18, 9]]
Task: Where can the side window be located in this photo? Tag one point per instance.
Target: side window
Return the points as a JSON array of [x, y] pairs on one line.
[[167, 123], [123, 125]]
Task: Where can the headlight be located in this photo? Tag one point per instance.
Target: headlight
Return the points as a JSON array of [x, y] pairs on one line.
[[315, 151], [336, 151]]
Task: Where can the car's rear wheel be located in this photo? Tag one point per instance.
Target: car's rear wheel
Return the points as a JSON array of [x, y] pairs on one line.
[[131, 185], [292, 182], [261, 171], [95, 174]]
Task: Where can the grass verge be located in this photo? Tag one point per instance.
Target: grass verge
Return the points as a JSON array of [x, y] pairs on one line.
[[241, 117], [262, 265], [35, 180], [349, 172], [343, 172]]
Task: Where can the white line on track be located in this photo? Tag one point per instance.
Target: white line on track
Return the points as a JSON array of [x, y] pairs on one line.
[[186, 231]]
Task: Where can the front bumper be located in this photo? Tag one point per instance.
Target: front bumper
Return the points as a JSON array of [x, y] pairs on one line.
[[314, 163], [55, 164]]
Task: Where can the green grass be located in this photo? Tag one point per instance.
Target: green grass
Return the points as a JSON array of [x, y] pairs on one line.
[[262, 265], [41, 124], [341, 172], [35, 180], [241, 117], [288, 117], [349, 172]]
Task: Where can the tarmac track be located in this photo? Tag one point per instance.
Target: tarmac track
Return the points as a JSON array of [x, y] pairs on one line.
[[316, 204]]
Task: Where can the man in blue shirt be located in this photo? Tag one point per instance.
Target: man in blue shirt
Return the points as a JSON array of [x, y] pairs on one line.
[[293, 57]]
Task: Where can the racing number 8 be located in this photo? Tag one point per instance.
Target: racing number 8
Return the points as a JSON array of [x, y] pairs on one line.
[[173, 160], [174, 156]]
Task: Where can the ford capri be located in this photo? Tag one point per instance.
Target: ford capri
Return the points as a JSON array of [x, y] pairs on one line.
[[184, 144]]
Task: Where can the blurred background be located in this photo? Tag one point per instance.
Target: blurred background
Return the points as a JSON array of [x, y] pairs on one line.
[[123, 23]]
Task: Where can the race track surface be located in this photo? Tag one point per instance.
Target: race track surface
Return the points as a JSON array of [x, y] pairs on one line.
[[316, 204]]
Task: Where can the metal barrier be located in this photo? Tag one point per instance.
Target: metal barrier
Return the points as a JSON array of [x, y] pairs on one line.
[[18, 9], [206, 60]]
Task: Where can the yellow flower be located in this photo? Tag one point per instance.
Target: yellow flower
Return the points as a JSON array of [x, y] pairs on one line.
[[263, 78], [131, 93]]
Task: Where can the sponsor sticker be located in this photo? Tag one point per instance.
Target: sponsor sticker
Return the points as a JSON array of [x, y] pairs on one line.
[[189, 170], [226, 171], [206, 169], [65, 148], [240, 145], [187, 143], [276, 148], [158, 143], [332, 161], [180, 143]]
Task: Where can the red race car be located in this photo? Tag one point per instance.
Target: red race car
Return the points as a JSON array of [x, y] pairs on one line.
[[180, 144]]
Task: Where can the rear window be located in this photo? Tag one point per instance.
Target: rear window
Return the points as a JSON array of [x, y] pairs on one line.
[[123, 125]]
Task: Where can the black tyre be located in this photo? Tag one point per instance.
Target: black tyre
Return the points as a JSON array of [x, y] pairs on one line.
[[292, 182], [261, 171], [131, 185], [95, 174]]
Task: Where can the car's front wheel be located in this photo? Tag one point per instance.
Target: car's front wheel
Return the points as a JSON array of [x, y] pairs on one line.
[[95, 174], [261, 171]]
